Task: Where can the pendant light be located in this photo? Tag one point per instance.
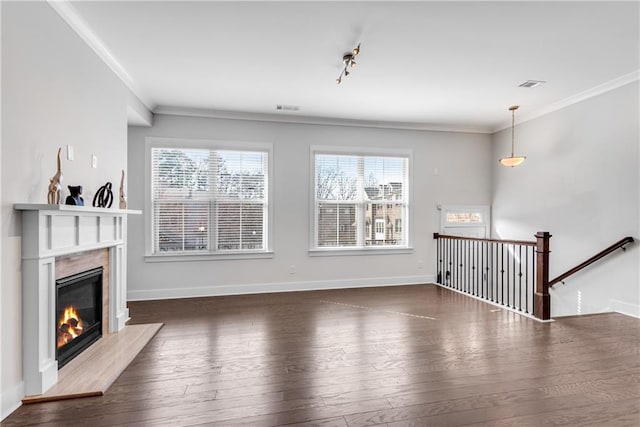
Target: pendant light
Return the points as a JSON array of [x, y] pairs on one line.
[[513, 160]]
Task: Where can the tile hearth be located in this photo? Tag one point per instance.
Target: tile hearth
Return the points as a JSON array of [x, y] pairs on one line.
[[95, 369]]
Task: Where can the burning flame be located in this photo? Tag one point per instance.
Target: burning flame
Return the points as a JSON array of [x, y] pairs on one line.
[[70, 326]]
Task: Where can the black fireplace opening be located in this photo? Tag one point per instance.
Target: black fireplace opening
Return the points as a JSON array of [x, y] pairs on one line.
[[78, 313]]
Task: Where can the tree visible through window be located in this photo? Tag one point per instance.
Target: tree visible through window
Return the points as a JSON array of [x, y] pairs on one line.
[[208, 200], [359, 199]]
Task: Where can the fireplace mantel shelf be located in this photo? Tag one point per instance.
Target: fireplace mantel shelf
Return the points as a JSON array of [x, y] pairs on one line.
[[73, 208]]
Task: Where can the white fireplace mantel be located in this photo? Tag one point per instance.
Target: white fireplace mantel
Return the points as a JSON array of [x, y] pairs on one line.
[[50, 231]]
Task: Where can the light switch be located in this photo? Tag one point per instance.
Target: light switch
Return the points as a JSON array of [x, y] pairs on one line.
[[69, 152], [94, 161]]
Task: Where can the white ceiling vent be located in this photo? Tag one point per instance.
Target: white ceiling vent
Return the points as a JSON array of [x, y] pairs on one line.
[[287, 107], [530, 84]]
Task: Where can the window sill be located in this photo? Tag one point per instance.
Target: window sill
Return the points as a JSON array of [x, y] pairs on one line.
[[207, 256], [360, 251]]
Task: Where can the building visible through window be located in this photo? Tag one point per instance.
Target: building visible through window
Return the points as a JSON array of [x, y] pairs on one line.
[[360, 200]]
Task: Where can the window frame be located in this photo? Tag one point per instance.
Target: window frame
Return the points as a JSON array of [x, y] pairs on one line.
[[315, 250], [207, 144]]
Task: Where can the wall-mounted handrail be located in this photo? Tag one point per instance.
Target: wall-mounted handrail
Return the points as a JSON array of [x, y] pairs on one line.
[[619, 244]]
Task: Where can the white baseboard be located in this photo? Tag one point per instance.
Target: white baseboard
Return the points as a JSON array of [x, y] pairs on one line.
[[10, 400], [625, 308], [261, 288], [529, 316]]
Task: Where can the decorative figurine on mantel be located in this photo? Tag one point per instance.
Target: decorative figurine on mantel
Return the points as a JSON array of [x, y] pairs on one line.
[[55, 183], [123, 197], [103, 197], [75, 197]]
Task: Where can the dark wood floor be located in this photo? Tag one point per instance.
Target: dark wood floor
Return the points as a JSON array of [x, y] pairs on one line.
[[396, 356]]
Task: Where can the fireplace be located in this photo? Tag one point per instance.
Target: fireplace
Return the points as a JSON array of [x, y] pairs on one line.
[[78, 313], [50, 234]]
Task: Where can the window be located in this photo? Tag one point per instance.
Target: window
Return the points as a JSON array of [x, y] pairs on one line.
[[464, 217], [358, 199], [206, 200]]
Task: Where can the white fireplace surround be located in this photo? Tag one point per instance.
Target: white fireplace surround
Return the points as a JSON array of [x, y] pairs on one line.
[[50, 231]]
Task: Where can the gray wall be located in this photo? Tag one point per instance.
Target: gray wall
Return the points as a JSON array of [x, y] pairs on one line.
[[55, 91], [465, 181], [579, 182]]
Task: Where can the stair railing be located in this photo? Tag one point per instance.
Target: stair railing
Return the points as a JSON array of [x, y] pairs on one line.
[[511, 273]]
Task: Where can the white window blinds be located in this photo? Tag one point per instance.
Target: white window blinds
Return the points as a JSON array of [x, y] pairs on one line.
[[360, 201], [208, 200]]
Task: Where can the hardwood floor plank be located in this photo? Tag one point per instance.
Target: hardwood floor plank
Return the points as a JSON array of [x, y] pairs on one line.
[[396, 356], [618, 413]]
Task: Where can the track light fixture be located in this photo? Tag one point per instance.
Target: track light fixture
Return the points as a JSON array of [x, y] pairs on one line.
[[349, 61]]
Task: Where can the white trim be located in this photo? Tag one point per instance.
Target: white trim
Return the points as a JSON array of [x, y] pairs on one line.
[[80, 26], [504, 307], [625, 308], [313, 120], [383, 250], [209, 256], [244, 289], [11, 399], [574, 99], [360, 151], [452, 228]]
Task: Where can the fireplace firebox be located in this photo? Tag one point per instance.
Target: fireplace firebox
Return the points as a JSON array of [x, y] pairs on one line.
[[78, 313]]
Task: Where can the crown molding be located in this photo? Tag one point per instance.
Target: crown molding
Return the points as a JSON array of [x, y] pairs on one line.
[[75, 21], [69, 14], [312, 120], [574, 99]]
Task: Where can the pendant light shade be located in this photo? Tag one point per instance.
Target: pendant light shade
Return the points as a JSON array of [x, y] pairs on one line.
[[513, 160]]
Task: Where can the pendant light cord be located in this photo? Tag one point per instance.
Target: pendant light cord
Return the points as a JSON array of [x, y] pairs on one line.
[[513, 125]]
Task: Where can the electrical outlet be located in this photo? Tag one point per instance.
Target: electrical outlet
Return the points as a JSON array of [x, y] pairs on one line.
[[94, 161], [420, 264], [292, 269], [69, 152]]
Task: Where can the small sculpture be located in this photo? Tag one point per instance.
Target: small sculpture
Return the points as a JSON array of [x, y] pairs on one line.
[[103, 197], [53, 197], [123, 197], [74, 198]]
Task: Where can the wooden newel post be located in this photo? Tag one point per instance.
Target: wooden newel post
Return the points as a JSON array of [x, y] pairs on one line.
[[541, 297]]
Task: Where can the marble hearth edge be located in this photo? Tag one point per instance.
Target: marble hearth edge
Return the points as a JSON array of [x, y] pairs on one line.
[[50, 231]]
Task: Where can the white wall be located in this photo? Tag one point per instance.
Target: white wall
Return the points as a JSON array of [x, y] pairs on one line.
[[464, 181], [580, 182], [55, 91]]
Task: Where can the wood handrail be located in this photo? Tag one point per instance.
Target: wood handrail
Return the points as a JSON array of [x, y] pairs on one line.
[[514, 242], [619, 244]]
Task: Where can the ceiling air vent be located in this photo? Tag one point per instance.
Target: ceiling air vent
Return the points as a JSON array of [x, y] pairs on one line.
[[287, 107], [529, 84]]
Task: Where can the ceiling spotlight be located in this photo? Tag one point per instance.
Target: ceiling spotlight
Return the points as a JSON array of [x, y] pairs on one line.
[[348, 59], [513, 160]]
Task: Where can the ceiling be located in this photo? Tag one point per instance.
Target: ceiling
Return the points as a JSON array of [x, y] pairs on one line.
[[440, 65]]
